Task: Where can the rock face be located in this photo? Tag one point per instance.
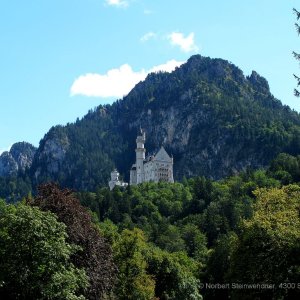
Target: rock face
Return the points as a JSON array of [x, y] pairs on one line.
[[258, 82], [51, 153], [207, 114], [8, 166], [23, 154], [19, 158]]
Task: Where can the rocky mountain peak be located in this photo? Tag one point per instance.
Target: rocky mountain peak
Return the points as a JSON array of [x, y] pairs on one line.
[[259, 82], [19, 158]]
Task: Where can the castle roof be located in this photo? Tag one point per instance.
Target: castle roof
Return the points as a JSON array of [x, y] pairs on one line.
[[162, 155]]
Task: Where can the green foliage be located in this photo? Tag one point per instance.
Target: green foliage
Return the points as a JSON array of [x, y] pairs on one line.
[[174, 274], [218, 265], [196, 231], [95, 256], [35, 257], [133, 281], [195, 242], [296, 55], [166, 239], [286, 168], [169, 275], [269, 246], [13, 188], [154, 208]]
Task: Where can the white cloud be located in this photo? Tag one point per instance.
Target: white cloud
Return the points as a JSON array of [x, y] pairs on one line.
[[186, 44], [169, 66], [118, 3], [146, 37], [116, 82]]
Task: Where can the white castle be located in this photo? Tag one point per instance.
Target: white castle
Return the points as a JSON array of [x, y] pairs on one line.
[[154, 168]]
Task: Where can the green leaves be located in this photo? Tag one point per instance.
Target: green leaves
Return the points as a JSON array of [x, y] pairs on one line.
[[277, 212], [133, 281], [35, 257], [296, 55], [175, 274], [95, 255], [269, 246]]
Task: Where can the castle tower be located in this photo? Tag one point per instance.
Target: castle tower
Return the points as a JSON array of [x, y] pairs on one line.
[[140, 157]]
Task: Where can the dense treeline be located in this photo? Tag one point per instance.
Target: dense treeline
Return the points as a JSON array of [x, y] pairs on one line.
[[14, 188], [243, 229], [188, 240]]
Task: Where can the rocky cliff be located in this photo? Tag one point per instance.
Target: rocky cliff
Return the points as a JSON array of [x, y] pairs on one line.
[[19, 158]]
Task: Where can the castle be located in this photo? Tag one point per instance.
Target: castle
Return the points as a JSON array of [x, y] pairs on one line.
[[154, 168]]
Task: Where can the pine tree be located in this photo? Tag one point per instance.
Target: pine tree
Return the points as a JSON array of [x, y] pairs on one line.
[[297, 55]]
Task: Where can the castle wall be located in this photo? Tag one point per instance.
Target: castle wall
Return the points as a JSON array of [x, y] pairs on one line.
[[158, 171], [133, 177]]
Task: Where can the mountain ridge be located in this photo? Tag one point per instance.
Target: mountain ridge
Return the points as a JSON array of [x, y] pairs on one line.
[[214, 121]]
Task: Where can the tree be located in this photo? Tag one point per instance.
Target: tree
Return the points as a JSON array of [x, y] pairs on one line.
[[268, 250], [170, 239], [195, 242], [35, 256], [96, 255], [286, 167], [218, 265], [297, 55], [133, 281], [174, 274]]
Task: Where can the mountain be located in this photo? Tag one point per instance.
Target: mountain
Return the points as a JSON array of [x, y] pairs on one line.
[[206, 113], [19, 158]]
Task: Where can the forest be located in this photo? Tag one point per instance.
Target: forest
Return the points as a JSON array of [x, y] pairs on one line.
[[234, 238]]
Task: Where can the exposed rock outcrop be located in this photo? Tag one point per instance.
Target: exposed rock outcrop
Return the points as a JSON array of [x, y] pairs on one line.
[[19, 158], [8, 166]]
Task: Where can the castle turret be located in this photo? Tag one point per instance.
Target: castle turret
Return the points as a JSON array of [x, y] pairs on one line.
[[140, 157]]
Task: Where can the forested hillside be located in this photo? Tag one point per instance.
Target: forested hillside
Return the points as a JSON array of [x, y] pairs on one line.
[[213, 119], [194, 236], [237, 238]]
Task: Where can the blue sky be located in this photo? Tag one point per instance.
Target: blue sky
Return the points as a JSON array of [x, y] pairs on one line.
[[60, 58]]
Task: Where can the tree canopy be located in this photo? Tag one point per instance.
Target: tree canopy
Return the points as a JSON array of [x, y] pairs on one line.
[[95, 256], [35, 257]]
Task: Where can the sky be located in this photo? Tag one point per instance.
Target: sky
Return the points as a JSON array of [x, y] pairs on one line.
[[60, 58]]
